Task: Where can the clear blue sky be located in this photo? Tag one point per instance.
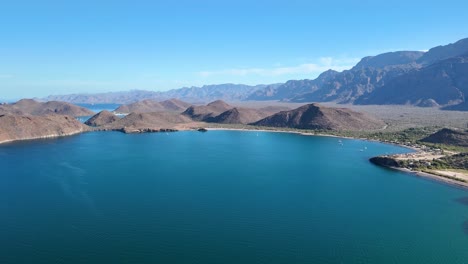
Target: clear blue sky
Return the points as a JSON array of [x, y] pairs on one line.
[[61, 47]]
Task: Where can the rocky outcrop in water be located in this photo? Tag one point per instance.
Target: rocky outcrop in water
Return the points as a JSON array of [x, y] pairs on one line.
[[385, 161]]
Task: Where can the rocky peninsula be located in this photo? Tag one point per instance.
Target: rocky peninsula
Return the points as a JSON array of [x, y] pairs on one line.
[[20, 127], [445, 159]]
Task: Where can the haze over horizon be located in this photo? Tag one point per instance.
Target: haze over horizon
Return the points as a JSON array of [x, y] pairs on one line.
[[86, 47]]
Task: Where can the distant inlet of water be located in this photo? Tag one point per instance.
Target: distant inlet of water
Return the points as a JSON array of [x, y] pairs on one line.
[[100, 107], [221, 197], [96, 108]]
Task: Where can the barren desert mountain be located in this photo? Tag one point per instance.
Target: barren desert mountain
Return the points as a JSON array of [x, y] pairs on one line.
[[442, 70], [32, 107], [139, 107], [20, 127], [223, 113], [315, 116], [434, 78], [175, 105], [206, 93], [448, 137], [205, 112], [239, 116], [346, 86], [148, 106], [390, 59], [8, 109], [150, 122], [102, 118], [444, 83]]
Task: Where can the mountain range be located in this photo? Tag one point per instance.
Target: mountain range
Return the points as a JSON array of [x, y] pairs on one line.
[[204, 94], [436, 78]]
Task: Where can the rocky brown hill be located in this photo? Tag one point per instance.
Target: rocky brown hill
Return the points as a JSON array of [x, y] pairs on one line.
[[175, 105], [20, 127], [151, 122], [102, 118], [32, 107], [448, 137], [239, 116], [205, 112], [223, 113], [315, 116], [147, 106]]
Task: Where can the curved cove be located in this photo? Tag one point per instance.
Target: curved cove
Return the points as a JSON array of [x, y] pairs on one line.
[[221, 197]]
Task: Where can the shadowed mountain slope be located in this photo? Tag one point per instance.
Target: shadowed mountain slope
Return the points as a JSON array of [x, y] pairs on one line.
[[444, 83], [448, 137], [204, 112], [239, 116], [315, 116]]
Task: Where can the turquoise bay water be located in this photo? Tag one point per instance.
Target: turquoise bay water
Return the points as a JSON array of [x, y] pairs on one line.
[[220, 197]]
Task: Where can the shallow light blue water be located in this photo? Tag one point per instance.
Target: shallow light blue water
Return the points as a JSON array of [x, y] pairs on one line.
[[96, 108], [220, 197]]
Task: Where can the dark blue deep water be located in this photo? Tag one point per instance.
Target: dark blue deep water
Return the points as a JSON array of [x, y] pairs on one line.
[[221, 197]]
